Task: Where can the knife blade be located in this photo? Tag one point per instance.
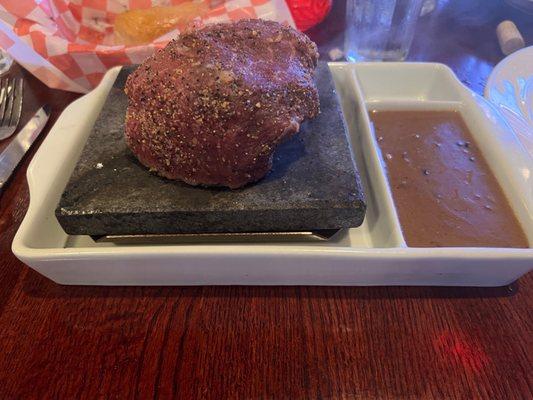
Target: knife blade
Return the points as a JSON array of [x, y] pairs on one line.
[[20, 144]]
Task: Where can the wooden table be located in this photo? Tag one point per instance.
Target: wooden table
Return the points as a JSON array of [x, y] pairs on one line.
[[63, 342]]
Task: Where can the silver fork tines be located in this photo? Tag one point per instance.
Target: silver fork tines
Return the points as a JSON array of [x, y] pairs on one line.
[[10, 105]]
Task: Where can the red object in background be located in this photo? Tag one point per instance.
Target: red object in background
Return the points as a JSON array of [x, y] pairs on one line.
[[308, 13]]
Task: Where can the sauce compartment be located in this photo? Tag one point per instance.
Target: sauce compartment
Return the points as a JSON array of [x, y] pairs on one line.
[[434, 92], [443, 188]]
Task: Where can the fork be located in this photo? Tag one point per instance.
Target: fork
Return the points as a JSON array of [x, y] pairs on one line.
[[10, 105]]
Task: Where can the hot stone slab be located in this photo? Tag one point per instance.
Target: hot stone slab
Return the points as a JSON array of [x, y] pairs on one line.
[[313, 184]]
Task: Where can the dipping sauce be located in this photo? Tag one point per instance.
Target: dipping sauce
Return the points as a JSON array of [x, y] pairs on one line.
[[444, 190]]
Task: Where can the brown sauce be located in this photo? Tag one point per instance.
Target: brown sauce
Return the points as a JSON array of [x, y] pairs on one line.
[[444, 190]]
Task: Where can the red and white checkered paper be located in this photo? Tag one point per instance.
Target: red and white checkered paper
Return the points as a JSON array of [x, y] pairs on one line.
[[68, 44]]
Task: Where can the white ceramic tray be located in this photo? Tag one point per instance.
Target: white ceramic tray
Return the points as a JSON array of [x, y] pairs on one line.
[[373, 254]]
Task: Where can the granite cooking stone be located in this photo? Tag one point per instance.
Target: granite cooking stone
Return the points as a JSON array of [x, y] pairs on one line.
[[313, 184]]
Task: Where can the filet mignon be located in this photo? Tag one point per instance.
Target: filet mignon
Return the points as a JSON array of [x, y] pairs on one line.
[[211, 107]]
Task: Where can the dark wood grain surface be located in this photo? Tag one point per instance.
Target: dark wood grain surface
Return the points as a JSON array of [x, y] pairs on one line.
[[59, 342]]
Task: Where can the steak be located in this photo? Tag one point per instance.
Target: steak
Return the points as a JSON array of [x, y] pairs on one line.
[[211, 107]]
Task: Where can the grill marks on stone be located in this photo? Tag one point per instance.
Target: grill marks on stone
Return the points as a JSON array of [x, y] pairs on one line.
[[211, 107]]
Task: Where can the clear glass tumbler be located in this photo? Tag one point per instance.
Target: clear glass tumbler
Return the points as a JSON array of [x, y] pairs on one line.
[[380, 30]]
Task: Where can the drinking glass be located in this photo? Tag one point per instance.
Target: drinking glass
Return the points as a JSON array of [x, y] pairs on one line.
[[380, 30]]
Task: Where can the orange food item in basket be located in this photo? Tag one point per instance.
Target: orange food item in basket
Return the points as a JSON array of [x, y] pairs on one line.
[[136, 27]]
